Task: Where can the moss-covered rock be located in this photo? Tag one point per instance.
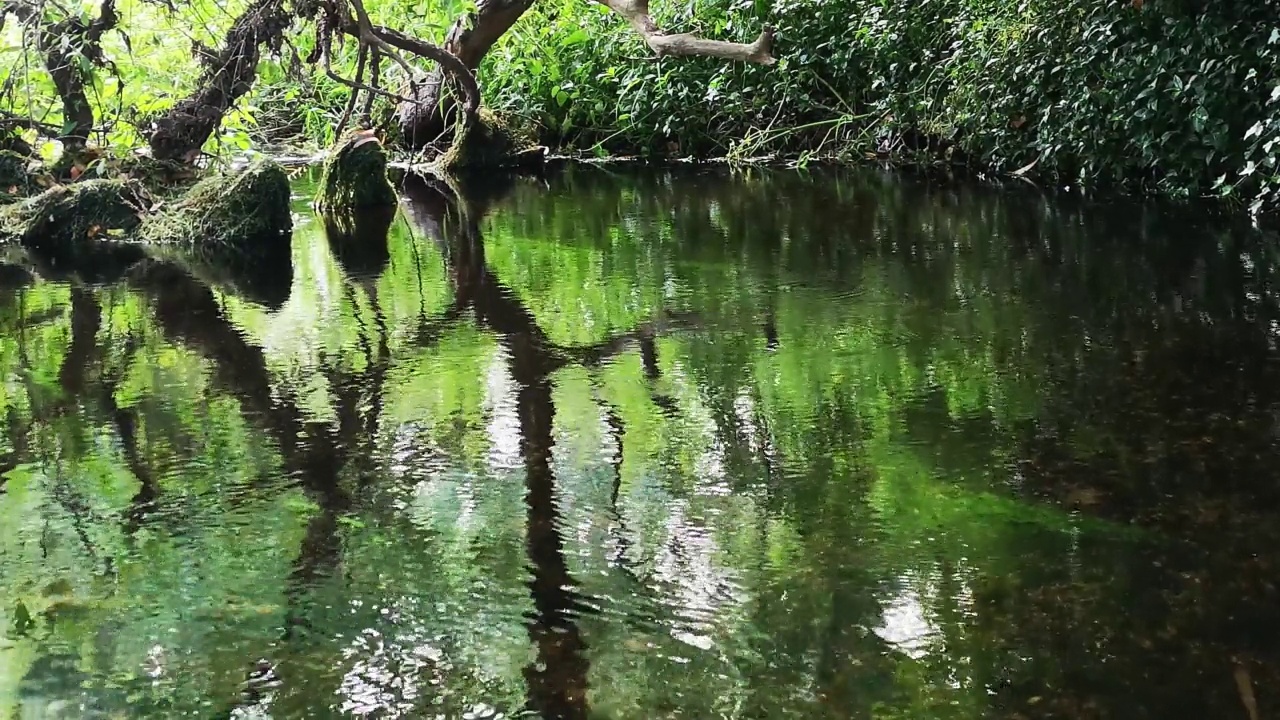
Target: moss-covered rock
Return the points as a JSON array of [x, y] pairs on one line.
[[161, 178], [66, 217], [354, 177], [492, 143], [245, 213], [232, 230]]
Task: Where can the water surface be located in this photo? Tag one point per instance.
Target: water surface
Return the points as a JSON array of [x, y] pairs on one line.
[[655, 444]]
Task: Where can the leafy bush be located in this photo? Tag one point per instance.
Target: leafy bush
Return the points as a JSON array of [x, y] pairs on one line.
[[1176, 96]]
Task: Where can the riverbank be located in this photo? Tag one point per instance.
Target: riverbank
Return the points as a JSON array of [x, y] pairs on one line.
[[1162, 98], [1166, 98]]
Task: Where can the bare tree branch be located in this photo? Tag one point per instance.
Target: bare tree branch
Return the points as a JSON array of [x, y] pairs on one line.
[[427, 120], [361, 58], [385, 42], [375, 73], [366, 34], [355, 85], [447, 61], [636, 12]]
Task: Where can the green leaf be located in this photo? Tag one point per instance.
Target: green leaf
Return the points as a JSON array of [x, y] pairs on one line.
[[577, 37]]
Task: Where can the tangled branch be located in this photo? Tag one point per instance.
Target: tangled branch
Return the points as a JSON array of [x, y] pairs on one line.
[[377, 42]]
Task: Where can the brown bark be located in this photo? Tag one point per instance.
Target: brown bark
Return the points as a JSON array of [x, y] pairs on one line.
[[183, 131], [470, 38], [448, 63], [636, 13]]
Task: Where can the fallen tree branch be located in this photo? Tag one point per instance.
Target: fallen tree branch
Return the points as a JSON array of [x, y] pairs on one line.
[[13, 122], [636, 12]]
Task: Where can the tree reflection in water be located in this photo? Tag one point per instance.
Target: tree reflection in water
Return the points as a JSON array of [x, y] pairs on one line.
[[648, 445]]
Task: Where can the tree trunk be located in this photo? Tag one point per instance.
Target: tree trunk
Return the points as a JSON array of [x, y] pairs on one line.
[[64, 43], [228, 76], [470, 38], [77, 113]]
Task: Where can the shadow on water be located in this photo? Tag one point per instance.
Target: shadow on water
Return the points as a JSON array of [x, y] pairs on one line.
[[653, 443], [557, 678]]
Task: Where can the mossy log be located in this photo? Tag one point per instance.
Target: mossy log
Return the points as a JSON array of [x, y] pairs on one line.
[[354, 177], [245, 212], [64, 218]]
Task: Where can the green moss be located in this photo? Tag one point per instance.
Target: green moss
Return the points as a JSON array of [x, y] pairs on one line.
[[244, 213], [161, 178], [354, 177], [66, 217], [492, 142]]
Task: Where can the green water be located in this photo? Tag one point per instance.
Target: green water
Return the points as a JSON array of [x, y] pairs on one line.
[[651, 444]]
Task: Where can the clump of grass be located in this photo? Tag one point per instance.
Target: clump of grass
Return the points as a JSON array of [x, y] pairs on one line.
[[65, 217], [244, 213]]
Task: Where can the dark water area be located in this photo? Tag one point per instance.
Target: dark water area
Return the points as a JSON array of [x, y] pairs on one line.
[[653, 444]]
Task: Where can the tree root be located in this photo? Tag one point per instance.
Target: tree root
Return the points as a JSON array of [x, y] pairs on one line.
[[490, 144]]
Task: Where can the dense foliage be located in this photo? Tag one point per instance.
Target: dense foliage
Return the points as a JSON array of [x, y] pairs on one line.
[[1176, 96]]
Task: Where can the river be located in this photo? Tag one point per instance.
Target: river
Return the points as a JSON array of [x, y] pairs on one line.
[[656, 443]]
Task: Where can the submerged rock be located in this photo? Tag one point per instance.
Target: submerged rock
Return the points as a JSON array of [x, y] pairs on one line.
[[359, 240], [354, 177], [234, 231]]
